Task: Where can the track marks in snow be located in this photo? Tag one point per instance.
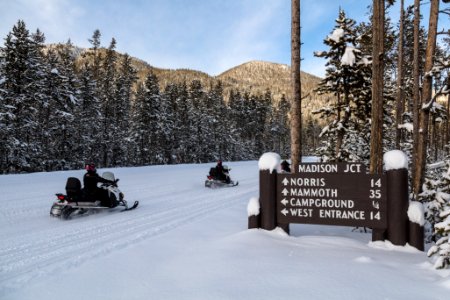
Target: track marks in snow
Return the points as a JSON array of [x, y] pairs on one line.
[[67, 244]]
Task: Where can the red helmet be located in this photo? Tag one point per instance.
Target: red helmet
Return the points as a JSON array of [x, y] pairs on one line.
[[90, 168]]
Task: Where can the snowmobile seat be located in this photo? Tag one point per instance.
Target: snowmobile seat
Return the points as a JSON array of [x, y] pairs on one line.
[[73, 189]]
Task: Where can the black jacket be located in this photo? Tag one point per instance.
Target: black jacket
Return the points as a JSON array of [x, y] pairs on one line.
[[90, 181]]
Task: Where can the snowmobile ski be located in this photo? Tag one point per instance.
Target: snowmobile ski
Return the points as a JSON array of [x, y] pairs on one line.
[[219, 183], [136, 203]]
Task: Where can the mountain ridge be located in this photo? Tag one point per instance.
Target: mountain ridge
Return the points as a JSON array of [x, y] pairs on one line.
[[254, 77]]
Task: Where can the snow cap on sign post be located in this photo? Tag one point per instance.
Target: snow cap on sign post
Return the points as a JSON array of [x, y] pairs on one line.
[[253, 207], [395, 160], [270, 161], [416, 213]]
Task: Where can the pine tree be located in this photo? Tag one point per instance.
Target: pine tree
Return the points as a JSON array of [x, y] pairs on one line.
[[87, 118], [436, 195], [57, 115], [22, 85], [235, 111], [182, 122], [140, 135], [147, 130], [218, 124], [107, 94], [348, 78], [199, 122], [124, 91], [281, 128]]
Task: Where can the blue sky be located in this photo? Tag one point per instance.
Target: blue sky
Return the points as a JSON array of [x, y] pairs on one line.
[[206, 35]]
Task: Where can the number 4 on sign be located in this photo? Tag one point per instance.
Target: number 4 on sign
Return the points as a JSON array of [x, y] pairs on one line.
[[376, 204]]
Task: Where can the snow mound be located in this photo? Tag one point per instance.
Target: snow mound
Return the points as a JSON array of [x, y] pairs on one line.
[[270, 161], [394, 160]]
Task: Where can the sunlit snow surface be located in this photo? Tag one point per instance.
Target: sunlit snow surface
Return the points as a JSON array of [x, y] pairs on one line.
[[185, 241]]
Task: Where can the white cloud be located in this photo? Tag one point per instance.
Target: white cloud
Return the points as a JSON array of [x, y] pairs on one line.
[[55, 18]]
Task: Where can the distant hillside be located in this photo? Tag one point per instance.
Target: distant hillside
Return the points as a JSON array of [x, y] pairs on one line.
[[257, 76], [254, 76]]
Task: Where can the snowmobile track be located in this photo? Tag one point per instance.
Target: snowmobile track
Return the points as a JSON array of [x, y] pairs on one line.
[[73, 244]]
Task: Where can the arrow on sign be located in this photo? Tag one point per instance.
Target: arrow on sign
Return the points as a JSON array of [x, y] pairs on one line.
[[285, 212], [285, 181], [284, 201], [285, 192]]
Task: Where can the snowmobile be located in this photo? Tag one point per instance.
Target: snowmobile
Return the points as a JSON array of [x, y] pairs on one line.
[[76, 202], [213, 179]]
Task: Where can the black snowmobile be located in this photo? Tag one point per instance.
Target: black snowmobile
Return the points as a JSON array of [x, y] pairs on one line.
[[213, 179], [75, 201]]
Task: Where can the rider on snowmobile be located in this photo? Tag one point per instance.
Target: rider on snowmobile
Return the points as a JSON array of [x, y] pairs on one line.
[[91, 190], [222, 173]]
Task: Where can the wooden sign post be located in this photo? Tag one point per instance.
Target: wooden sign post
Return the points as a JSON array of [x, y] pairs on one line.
[[339, 194]]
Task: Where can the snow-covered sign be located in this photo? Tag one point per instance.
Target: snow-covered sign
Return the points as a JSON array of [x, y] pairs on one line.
[[332, 194]]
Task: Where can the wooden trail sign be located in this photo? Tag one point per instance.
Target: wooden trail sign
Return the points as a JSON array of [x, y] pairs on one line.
[[332, 194], [339, 194]]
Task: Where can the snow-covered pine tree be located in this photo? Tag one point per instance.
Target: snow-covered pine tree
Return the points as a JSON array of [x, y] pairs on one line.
[[208, 121], [107, 94], [90, 111], [22, 73], [250, 126], [436, 198], [242, 124], [165, 127], [57, 115], [281, 131], [147, 126], [174, 126], [348, 79], [126, 79], [140, 134], [182, 122], [5, 117], [262, 114], [87, 117], [218, 123], [199, 124]]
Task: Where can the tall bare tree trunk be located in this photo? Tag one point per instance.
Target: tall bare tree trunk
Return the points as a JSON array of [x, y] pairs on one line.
[[376, 136], [416, 85], [424, 118], [400, 92], [296, 107]]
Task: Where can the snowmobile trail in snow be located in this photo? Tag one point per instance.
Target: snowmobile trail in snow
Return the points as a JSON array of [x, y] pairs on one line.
[[47, 245]]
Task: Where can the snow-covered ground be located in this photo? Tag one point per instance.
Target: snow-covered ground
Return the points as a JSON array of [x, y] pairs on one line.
[[185, 241]]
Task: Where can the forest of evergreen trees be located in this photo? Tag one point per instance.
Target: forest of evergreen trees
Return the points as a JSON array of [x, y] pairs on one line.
[[58, 112]]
